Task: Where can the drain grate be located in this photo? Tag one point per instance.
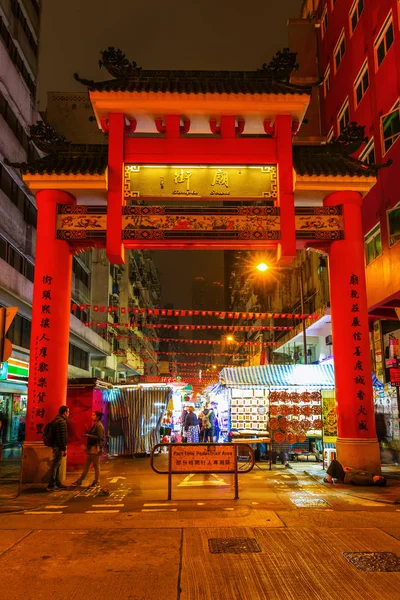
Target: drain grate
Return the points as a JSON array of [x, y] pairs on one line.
[[383, 562], [233, 545], [310, 502]]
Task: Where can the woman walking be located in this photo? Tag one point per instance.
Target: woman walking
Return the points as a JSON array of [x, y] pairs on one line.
[[94, 450], [191, 427]]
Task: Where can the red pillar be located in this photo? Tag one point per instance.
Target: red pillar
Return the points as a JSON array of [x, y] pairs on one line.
[[357, 445], [116, 135], [48, 369], [283, 134]]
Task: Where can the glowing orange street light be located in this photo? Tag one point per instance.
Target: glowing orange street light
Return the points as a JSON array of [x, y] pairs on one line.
[[230, 338], [262, 267]]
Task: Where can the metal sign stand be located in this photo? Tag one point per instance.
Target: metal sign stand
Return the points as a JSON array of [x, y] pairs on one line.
[[212, 468]]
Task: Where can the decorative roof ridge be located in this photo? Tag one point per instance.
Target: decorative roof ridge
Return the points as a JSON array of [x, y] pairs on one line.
[[347, 143], [278, 71]]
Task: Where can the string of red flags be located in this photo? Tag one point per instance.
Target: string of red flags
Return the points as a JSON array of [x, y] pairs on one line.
[[163, 312], [228, 328], [193, 353], [195, 365], [183, 341]]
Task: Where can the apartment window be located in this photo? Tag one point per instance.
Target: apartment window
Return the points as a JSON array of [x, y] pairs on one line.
[[17, 197], [19, 332], [373, 244], [361, 84], [79, 312], [12, 121], [80, 273], [18, 14], [368, 154], [78, 358], [384, 40], [339, 51], [15, 57], [390, 127], [324, 21], [355, 14], [36, 6], [394, 225], [327, 81], [343, 116], [16, 259]]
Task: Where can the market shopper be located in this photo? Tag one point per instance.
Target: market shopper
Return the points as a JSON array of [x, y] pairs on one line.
[[200, 424], [354, 476], [191, 427], [208, 424], [94, 450], [59, 437], [183, 419]]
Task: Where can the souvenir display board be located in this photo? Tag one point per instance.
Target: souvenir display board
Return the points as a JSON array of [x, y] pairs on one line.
[[287, 416], [249, 410], [292, 415]]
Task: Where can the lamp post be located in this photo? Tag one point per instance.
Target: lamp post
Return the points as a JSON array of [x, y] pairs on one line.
[[262, 267], [300, 271]]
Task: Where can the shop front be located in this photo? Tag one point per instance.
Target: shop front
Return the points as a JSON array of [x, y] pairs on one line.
[[13, 404]]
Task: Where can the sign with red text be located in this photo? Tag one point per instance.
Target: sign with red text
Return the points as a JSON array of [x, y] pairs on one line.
[[207, 458]]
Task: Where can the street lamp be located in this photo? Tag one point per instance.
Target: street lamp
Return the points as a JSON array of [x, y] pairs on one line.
[[262, 267]]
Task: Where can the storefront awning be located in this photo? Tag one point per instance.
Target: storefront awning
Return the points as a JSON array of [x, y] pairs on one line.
[[279, 376]]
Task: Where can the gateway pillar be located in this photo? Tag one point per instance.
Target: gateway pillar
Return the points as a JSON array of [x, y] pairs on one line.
[[357, 444], [48, 368]]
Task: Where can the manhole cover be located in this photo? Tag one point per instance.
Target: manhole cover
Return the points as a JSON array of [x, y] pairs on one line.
[[310, 502], [384, 562], [233, 545]]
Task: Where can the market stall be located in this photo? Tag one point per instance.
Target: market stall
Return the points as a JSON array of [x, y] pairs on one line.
[[136, 413], [294, 405]]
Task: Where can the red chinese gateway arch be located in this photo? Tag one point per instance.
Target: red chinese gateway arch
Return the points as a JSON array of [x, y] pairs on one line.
[[222, 144]]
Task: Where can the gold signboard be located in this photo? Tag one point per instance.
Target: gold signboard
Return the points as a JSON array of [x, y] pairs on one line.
[[154, 181], [203, 458]]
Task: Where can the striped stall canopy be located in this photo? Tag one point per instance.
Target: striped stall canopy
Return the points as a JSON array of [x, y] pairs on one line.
[[281, 376]]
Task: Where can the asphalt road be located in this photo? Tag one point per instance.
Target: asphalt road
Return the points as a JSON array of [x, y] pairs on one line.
[[130, 485]]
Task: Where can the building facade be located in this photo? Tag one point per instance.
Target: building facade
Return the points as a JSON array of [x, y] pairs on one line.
[[358, 53], [19, 46]]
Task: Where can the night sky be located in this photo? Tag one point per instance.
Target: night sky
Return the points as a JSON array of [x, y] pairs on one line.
[[211, 34]]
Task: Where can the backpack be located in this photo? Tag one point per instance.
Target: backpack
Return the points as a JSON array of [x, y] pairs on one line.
[[49, 434], [207, 421]]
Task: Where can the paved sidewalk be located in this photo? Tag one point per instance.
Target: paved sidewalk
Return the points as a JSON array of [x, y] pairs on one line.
[[289, 537]]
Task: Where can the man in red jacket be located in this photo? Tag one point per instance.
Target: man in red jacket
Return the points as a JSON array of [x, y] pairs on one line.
[[59, 445]]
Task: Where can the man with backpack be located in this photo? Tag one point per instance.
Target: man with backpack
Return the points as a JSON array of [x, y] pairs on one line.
[[56, 436], [208, 424]]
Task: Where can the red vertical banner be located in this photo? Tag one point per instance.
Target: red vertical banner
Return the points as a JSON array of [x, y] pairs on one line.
[[350, 335], [116, 200], [48, 372]]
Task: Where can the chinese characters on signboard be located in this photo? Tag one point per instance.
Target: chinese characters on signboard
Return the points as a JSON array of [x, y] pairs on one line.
[[358, 359], [40, 358], [211, 458], [256, 181]]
